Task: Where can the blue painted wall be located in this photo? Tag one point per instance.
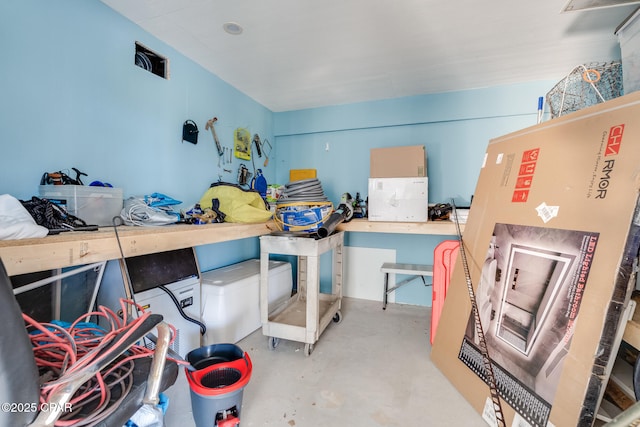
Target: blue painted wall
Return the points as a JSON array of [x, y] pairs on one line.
[[455, 129], [71, 96]]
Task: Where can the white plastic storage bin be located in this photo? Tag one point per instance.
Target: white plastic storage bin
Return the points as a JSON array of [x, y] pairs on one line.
[[94, 205], [231, 298]]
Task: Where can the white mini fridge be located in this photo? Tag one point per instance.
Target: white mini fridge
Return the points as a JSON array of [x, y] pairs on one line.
[[231, 298], [177, 271]]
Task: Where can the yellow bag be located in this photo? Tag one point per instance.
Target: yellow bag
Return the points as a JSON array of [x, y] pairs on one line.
[[238, 204]]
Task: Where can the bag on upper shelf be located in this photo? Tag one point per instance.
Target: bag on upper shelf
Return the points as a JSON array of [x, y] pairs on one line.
[[237, 204]]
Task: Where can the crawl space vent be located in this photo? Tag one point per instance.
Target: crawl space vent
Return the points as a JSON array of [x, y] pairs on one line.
[[149, 60]]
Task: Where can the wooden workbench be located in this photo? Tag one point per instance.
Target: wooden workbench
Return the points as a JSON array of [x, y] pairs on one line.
[[85, 247], [77, 248]]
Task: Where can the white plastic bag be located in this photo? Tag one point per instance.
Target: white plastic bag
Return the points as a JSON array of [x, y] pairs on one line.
[[148, 416], [16, 222], [137, 212]]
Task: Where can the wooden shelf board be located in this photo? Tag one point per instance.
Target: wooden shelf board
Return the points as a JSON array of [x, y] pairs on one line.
[[442, 228], [85, 247]]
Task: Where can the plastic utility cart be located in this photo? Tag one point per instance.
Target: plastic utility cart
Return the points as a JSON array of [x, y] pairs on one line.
[[306, 314]]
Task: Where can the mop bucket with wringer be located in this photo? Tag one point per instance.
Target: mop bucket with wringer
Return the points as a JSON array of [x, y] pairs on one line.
[[220, 373]]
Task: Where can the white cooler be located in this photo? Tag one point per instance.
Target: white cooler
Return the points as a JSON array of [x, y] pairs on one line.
[[231, 298]]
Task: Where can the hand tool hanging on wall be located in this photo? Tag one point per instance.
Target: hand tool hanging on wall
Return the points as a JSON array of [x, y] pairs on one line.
[[266, 147], [208, 126], [256, 140], [243, 175]]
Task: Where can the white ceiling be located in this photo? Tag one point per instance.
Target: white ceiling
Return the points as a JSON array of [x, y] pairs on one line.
[[296, 54]]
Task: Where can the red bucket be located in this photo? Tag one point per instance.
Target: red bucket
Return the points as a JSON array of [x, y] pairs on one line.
[[221, 378], [221, 371]]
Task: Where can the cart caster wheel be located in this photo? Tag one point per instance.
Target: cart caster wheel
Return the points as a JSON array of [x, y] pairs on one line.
[[273, 342], [337, 317], [308, 348]]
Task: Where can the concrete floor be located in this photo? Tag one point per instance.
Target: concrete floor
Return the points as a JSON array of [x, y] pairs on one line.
[[371, 369]]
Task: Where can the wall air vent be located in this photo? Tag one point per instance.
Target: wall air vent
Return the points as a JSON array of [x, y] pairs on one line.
[[149, 60]]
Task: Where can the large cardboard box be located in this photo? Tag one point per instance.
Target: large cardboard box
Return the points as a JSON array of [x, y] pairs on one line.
[[398, 162], [398, 199], [550, 242]]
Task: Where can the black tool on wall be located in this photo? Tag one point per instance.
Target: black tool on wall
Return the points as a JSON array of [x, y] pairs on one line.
[[190, 132], [256, 140], [243, 175]]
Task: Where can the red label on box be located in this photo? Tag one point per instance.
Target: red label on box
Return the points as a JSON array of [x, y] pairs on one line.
[[524, 181], [530, 155], [527, 169], [520, 196], [525, 175], [614, 140]]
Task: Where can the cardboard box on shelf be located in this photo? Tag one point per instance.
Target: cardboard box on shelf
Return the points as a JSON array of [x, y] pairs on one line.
[[398, 199], [398, 162], [300, 174], [550, 243]]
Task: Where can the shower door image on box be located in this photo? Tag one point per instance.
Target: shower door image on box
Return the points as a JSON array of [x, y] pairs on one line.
[[534, 277], [528, 298]]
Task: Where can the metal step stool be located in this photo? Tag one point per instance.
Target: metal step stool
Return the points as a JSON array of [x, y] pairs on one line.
[[413, 270]]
